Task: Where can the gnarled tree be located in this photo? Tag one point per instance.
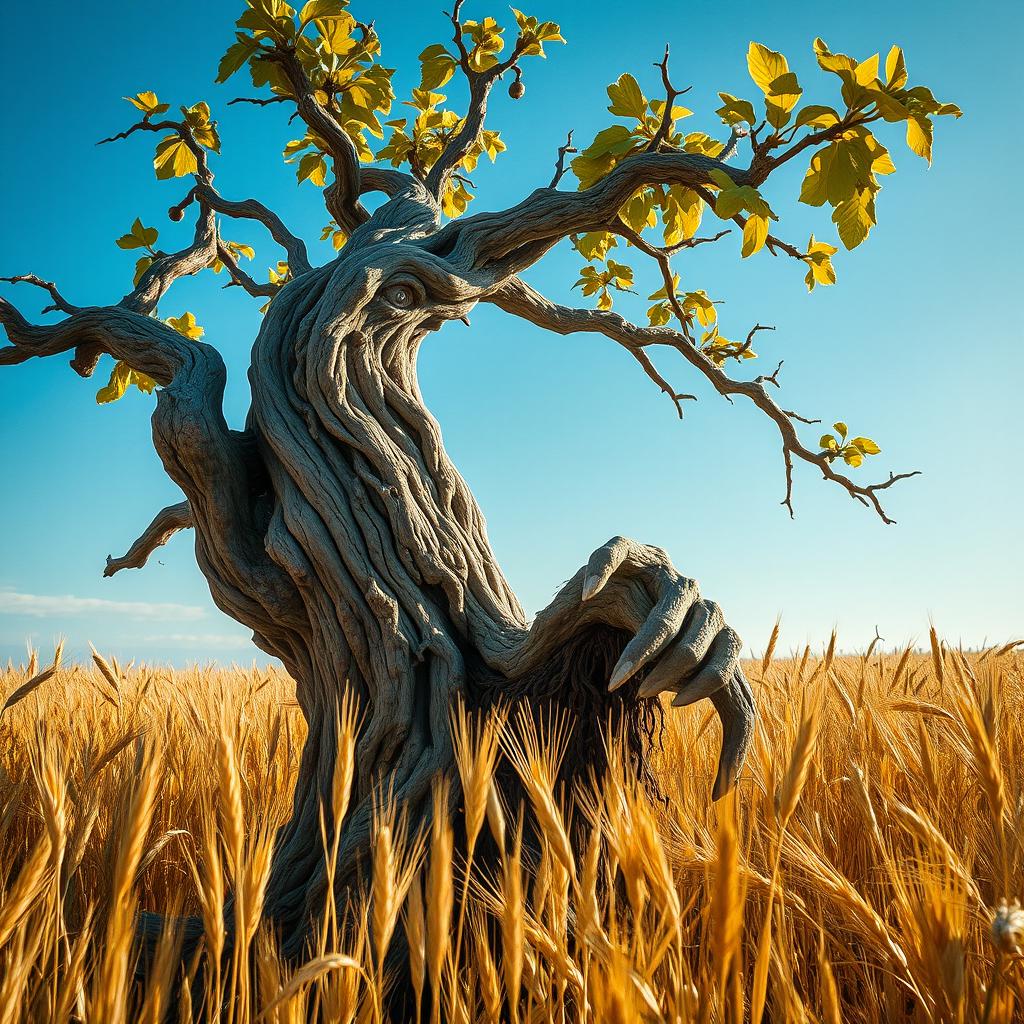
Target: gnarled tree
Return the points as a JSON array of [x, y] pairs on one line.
[[334, 525]]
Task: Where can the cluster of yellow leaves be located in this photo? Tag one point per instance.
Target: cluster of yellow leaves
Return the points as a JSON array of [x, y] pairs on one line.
[[534, 33], [421, 144], [312, 165], [679, 209], [337, 56], [121, 378], [697, 306], [485, 43], [819, 264], [279, 275], [851, 452], [186, 326], [332, 231], [174, 157], [843, 173], [614, 144], [719, 348], [693, 304], [600, 282]]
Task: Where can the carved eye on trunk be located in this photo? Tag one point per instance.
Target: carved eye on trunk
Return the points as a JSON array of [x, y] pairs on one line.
[[401, 295]]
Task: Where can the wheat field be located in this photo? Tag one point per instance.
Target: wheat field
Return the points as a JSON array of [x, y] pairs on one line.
[[866, 869]]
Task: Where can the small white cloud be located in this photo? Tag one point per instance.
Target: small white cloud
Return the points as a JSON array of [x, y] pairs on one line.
[[227, 640], [42, 605]]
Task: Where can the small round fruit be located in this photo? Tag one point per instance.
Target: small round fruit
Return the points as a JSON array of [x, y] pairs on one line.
[[516, 90]]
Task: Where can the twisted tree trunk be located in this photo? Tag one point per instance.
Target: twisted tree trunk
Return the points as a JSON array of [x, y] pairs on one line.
[[336, 527]]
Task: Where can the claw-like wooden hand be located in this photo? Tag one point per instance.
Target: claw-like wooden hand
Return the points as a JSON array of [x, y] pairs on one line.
[[679, 640], [684, 641]]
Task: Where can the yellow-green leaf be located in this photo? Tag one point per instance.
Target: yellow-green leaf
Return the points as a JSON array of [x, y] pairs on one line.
[[204, 131], [314, 167], [681, 213], [854, 217], [142, 264], [236, 56], [594, 245], [139, 237], [627, 99], [895, 69], [148, 103], [734, 110], [186, 326], [173, 158], [702, 306], [765, 66], [437, 66], [866, 445], [816, 116], [755, 233], [919, 136]]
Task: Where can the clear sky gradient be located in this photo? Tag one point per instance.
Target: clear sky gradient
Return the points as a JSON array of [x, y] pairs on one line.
[[564, 440]]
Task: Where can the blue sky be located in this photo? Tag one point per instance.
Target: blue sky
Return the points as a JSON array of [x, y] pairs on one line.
[[563, 440]]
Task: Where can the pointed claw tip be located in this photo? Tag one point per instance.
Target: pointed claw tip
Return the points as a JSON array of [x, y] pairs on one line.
[[591, 585], [724, 781], [620, 675], [683, 699]]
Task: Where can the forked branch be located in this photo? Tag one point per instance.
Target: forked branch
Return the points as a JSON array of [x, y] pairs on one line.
[[480, 85], [517, 297], [59, 304], [251, 209], [511, 240]]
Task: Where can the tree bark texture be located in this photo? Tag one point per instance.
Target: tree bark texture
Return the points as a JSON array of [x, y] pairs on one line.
[[336, 527]]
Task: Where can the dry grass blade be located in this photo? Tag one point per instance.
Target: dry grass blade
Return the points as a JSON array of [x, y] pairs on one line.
[[36, 680], [866, 870]]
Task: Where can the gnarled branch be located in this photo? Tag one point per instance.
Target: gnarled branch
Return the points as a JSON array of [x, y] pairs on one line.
[[144, 343], [517, 297], [342, 195], [480, 85], [251, 209], [166, 523], [508, 241]]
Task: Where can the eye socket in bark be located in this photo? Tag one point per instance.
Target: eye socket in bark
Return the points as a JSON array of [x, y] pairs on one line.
[[403, 294]]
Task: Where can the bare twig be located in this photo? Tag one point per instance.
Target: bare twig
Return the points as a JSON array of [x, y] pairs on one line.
[[60, 304], [560, 161], [671, 95], [259, 101]]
